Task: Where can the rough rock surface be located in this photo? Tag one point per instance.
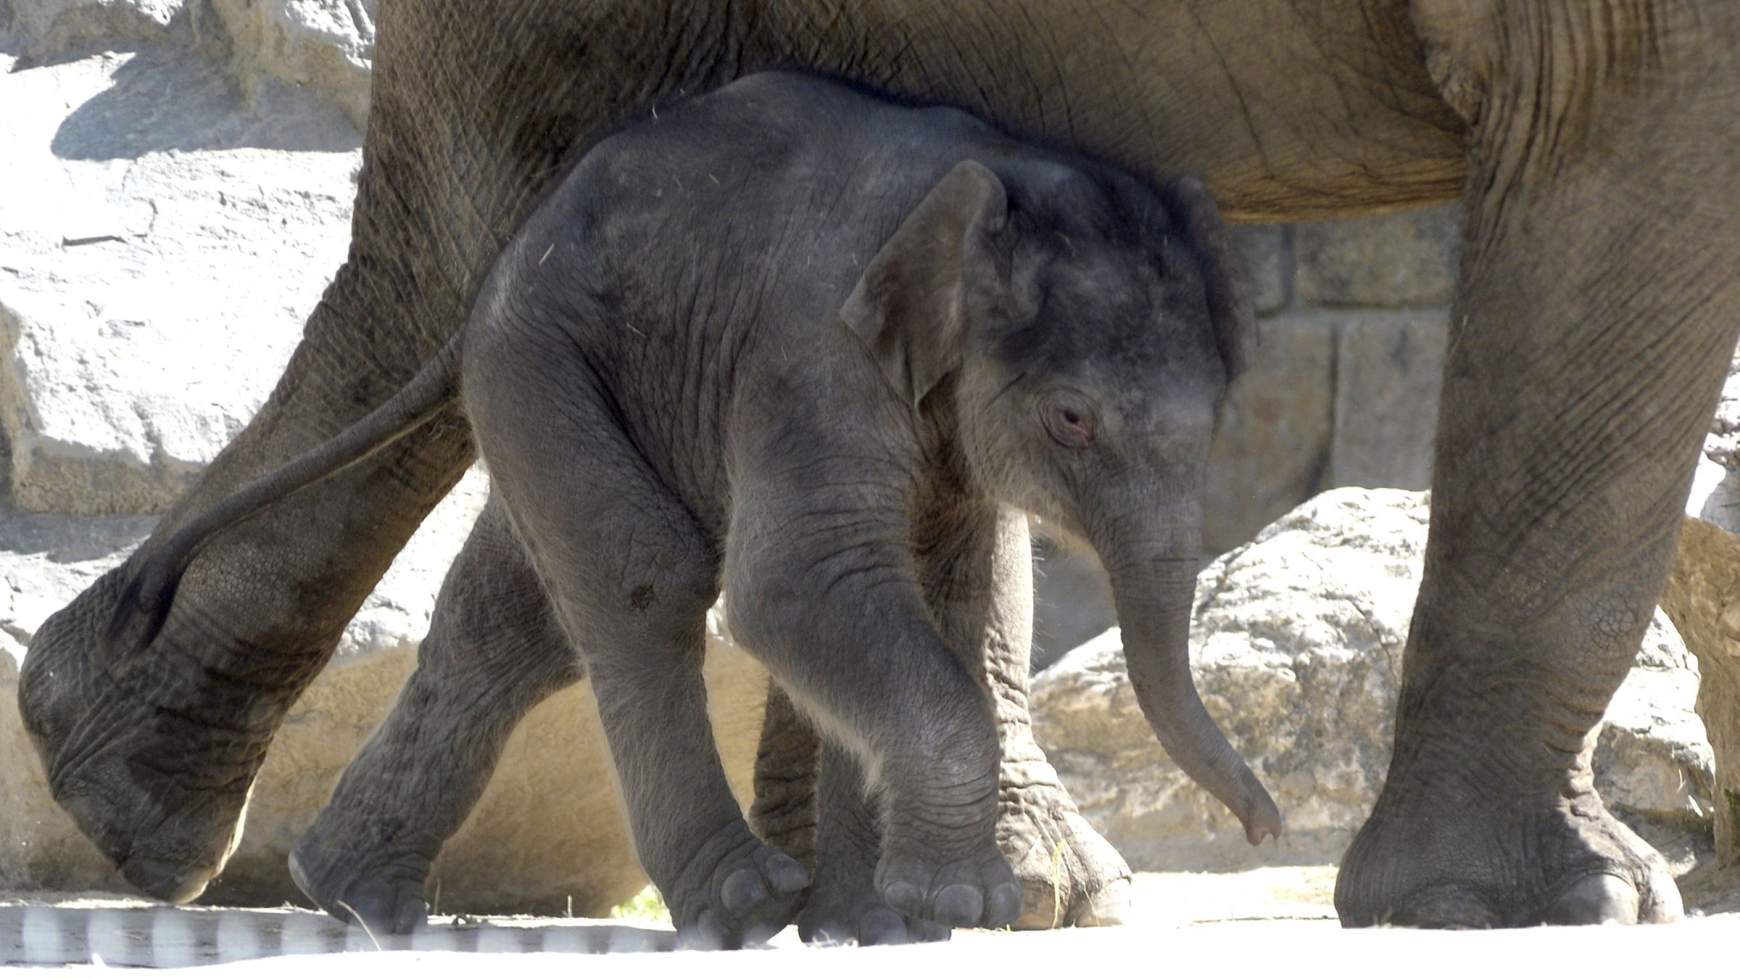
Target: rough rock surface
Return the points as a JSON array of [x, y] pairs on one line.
[[1703, 595], [156, 276], [1297, 646], [325, 46]]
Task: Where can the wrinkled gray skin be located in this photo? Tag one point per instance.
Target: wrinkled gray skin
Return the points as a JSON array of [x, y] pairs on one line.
[[1590, 141], [811, 345]]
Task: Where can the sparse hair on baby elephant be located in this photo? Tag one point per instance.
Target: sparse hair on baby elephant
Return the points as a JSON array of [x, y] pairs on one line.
[[811, 345]]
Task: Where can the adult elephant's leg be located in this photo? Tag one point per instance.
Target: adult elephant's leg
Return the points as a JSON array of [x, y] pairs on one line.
[[494, 651], [154, 751], [1597, 309]]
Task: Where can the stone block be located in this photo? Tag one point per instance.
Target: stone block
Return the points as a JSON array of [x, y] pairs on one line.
[[1407, 259], [1271, 445], [1267, 262], [1388, 376]]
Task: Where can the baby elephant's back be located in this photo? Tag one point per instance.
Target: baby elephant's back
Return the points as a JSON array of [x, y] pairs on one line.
[[778, 173]]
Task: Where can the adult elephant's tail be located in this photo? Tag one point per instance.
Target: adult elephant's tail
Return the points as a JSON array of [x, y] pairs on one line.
[[155, 571]]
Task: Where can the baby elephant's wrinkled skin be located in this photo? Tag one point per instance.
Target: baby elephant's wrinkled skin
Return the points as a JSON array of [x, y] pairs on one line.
[[816, 348]]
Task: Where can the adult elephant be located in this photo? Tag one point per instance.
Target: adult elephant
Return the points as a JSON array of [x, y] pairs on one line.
[[1592, 142]]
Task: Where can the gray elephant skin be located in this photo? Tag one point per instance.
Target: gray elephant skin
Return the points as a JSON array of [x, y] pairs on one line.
[[1593, 150], [815, 347]]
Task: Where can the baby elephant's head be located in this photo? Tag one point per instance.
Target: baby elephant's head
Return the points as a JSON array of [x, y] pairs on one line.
[[1090, 326]]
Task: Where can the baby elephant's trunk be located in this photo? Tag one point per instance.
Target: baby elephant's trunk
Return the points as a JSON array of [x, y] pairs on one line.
[[1154, 599]]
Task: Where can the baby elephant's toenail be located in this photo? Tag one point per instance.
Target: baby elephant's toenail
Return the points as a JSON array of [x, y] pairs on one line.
[[959, 904], [788, 876], [743, 890], [1005, 905], [903, 896], [882, 927]]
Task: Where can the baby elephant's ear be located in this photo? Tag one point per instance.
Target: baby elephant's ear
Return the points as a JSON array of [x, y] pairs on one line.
[[910, 305], [1235, 322]]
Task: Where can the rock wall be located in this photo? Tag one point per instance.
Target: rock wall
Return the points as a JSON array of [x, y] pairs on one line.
[[1354, 318]]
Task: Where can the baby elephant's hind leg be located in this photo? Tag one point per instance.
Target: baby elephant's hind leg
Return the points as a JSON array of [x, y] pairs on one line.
[[630, 574], [493, 653], [844, 904]]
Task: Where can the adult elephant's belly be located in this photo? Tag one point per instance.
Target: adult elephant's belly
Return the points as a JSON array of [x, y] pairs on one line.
[[1289, 110]]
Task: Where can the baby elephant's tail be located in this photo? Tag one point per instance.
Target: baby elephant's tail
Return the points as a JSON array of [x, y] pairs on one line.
[[154, 572]]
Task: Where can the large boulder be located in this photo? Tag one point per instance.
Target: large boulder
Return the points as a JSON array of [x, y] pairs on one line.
[[325, 46], [1297, 646], [1703, 597]]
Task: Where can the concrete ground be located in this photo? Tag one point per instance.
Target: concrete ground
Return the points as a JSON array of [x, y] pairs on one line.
[[1262, 922]]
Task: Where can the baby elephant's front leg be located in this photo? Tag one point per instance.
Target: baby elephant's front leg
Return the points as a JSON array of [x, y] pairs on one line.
[[849, 637]]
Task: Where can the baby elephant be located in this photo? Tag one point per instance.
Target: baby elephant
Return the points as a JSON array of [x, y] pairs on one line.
[[804, 344]]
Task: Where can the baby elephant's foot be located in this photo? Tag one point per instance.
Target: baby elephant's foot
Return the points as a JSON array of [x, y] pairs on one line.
[[1069, 874], [940, 860], [845, 906], [735, 891], [978, 891], [383, 893]]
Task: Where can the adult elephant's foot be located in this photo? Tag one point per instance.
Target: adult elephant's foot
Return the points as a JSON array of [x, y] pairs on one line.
[[359, 877], [734, 891], [144, 752], [1458, 863], [1069, 874]]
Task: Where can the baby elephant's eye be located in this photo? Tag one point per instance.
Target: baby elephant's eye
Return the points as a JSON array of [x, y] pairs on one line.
[[1068, 421]]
